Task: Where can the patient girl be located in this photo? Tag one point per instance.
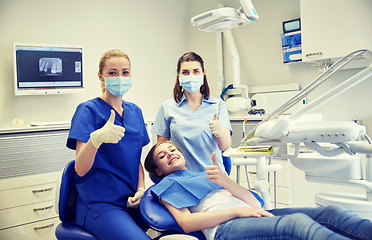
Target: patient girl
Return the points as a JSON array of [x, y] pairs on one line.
[[222, 209]]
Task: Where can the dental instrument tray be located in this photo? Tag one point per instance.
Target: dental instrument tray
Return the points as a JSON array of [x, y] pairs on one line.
[[251, 151]]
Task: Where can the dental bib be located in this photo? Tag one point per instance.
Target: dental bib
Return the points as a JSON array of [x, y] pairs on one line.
[[184, 188]]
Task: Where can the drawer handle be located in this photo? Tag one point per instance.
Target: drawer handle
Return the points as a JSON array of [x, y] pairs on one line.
[[43, 208], [43, 227], [42, 190]]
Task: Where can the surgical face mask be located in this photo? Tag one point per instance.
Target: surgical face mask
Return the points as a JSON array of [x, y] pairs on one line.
[[191, 83], [118, 86]]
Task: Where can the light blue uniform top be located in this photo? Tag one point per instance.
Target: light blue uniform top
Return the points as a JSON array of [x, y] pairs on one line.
[[190, 129]]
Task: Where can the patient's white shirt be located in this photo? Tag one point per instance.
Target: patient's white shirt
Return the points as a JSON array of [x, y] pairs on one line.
[[215, 200]]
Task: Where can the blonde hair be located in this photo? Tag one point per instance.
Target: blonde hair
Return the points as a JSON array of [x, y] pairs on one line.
[[108, 55]]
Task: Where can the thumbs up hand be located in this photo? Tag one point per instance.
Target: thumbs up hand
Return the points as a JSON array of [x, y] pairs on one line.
[[109, 133], [215, 126], [214, 173]]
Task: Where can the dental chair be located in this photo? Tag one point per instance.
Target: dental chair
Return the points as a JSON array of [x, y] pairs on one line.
[[67, 229], [158, 217], [341, 162]]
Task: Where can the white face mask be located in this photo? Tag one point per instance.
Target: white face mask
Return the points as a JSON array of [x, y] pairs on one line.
[[191, 83], [118, 86]]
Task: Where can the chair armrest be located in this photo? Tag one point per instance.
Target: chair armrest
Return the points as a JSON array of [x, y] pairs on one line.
[[156, 215]]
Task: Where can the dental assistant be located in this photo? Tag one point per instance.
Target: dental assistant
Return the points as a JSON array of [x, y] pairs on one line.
[[198, 123], [108, 134]]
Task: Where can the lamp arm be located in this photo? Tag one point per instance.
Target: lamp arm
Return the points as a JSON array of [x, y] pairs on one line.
[[249, 10]]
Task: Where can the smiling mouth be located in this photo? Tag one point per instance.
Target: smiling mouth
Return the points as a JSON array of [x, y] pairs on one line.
[[173, 160]]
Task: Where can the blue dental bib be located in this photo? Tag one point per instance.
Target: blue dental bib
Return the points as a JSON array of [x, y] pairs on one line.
[[184, 188]]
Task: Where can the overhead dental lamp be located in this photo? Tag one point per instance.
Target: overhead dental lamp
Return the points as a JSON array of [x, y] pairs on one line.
[[221, 20], [225, 18]]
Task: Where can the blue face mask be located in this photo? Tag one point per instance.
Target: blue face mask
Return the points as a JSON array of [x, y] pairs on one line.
[[191, 83], [118, 86]]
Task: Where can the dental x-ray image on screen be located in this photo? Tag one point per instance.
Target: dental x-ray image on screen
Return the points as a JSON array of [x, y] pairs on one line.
[[50, 66], [43, 69]]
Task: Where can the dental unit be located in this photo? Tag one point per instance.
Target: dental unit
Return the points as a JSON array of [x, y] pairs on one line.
[[340, 162]]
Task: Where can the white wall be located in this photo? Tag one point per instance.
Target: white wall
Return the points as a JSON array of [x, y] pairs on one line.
[[152, 33]]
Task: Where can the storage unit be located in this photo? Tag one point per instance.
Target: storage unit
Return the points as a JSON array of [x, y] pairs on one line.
[[31, 161], [333, 28]]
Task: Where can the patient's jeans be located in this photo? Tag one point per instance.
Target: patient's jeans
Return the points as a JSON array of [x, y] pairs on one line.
[[331, 222]]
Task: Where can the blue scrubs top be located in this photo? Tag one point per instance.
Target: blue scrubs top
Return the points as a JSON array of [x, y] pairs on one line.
[[190, 129], [114, 174]]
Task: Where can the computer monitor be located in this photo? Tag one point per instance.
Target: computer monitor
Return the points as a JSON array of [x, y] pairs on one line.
[[42, 69]]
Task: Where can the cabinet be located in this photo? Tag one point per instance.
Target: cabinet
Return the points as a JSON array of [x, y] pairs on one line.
[[280, 184], [27, 207], [31, 161], [334, 28]]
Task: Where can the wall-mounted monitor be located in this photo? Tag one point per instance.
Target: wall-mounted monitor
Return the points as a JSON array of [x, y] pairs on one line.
[[41, 69]]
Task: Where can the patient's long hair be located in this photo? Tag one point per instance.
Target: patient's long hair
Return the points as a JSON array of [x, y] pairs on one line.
[[150, 163]]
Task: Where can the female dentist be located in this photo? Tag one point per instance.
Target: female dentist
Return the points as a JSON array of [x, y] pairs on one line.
[[108, 134], [198, 123]]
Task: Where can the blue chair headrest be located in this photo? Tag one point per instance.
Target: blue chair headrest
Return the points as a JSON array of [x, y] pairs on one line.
[[227, 164], [155, 178]]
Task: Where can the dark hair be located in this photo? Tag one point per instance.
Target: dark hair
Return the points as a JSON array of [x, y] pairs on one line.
[[150, 164], [178, 90]]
